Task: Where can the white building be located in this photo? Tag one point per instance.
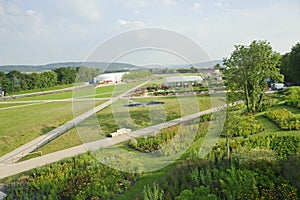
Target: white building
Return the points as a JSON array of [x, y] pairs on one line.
[[109, 78], [183, 81]]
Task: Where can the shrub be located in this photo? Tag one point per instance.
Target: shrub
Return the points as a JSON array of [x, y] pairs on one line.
[[80, 177], [285, 145], [292, 97], [284, 119], [243, 126]]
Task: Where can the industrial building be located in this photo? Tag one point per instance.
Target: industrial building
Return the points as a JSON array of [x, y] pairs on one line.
[[183, 81], [109, 78]]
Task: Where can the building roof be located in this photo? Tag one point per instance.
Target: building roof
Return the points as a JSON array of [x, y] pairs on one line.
[[172, 79]]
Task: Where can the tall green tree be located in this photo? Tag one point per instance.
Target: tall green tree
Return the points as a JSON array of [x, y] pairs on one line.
[[14, 81], [66, 75], [290, 65], [246, 72], [86, 74]]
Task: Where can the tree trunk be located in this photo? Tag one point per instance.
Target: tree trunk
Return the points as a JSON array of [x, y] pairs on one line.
[[227, 147], [261, 97], [247, 96]]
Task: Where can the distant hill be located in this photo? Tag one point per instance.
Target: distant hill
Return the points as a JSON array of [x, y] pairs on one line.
[[40, 68], [201, 65], [108, 67]]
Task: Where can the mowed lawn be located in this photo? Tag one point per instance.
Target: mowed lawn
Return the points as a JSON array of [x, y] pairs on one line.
[[99, 92], [9, 105], [21, 125]]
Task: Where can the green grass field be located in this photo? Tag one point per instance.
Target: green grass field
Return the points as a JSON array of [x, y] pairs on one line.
[[105, 91], [8, 105], [42, 118], [20, 125], [46, 89]]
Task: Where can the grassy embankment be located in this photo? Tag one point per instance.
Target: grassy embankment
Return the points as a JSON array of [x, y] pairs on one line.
[[20, 125]]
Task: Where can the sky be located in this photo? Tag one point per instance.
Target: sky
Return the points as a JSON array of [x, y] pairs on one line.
[[46, 31]]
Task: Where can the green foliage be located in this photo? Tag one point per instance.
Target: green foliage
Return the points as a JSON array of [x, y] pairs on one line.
[[284, 119], [80, 177], [290, 65], [291, 170], [154, 143], [153, 192], [238, 184], [158, 141], [14, 81], [66, 75], [292, 97], [85, 74], [285, 145], [242, 126], [200, 193], [214, 179], [247, 69]]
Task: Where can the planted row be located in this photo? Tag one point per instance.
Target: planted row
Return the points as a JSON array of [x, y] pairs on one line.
[[160, 140], [242, 126], [284, 119]]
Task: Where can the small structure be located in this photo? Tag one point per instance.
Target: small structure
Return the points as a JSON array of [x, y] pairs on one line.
[[1, 93], [277, 86], [183, 81], [2, 195], [109, 78], [138, 104], [120, 132]]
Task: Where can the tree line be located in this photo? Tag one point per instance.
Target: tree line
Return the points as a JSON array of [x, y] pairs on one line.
[[15, 81], [290, 66]]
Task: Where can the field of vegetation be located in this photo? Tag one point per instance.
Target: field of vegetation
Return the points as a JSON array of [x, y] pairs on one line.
[[255, 156], [263, 164], [139, 117]]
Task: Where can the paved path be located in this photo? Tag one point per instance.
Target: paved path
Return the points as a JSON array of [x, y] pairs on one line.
[[45, 92], [15, 168], [36, 102], [24, 150]]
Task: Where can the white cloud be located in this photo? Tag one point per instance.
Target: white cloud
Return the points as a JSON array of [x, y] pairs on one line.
[[170, 2], [123, 22], [197, 6]]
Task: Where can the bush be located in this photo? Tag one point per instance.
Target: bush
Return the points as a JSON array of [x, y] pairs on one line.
[[80, 177], [243, 126], [292, 97], [285, 145], [284, 119]]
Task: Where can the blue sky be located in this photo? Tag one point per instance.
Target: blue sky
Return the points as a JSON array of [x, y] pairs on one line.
[[45, 31]]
